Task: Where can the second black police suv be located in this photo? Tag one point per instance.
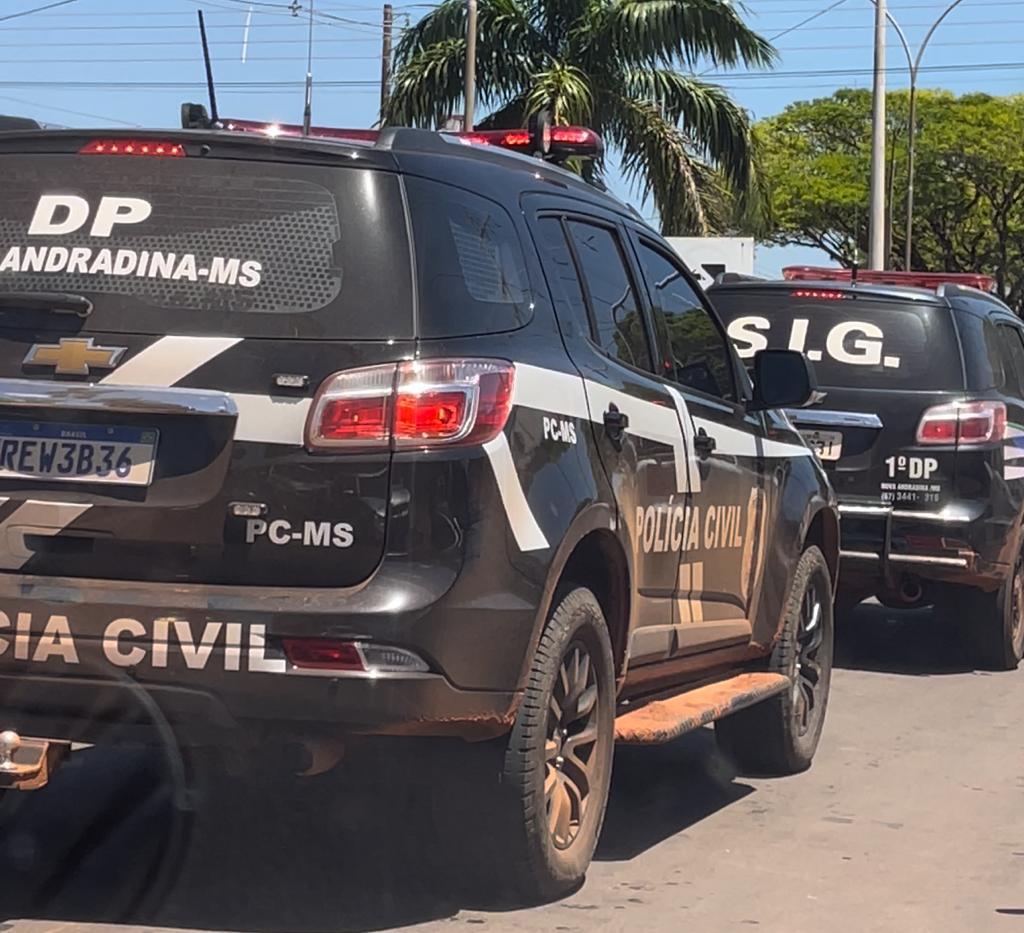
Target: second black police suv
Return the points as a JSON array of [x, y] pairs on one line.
[[920, 425], [396, 435]]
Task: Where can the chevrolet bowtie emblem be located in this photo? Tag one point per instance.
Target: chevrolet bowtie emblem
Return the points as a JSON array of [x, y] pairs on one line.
[[72, 356]]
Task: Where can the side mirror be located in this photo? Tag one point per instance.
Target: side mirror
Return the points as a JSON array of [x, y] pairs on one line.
[[782, 379]]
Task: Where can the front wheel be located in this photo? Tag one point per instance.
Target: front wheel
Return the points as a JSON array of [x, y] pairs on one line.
[[780, 735]]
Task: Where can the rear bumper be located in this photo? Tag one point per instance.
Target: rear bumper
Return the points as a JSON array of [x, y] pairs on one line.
[[255, 709], [962, 543], [101, 661]]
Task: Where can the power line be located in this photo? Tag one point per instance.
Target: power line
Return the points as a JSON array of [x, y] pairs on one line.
[[804, 22], [840, 72], [178, 85], [219, 10], [867, 46], [77, 113], [731, 78], [196, 59], [163, 43], [38, 9]]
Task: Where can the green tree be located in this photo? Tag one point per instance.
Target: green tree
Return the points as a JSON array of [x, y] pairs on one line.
[[969, 180], [608, 64]]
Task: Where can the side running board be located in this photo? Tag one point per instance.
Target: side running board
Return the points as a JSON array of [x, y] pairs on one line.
[[664, 720]]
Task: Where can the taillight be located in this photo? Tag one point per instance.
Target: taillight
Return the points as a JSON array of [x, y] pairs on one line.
[[324, 654], [134, 147], [330, 654], [420, 403], [963, 423]]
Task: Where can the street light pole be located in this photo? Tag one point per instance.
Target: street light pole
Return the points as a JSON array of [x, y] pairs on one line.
[[914, 66], [876, 227], [470, 90]]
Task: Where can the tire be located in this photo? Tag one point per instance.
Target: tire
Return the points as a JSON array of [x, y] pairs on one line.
[[992, 624], [780, 735], [511, 842]]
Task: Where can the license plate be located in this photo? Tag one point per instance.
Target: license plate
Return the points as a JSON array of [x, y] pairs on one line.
[[828, 445], [77, 453]]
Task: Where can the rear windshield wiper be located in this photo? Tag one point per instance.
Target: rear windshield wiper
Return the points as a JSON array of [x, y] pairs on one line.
[[55, 302]]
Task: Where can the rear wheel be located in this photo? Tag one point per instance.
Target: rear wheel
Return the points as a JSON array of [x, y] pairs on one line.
[[992, 624], [780, 735], [529, 819]]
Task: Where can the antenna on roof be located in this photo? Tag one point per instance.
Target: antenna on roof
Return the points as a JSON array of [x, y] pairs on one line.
[[209, 69], [307, 113]]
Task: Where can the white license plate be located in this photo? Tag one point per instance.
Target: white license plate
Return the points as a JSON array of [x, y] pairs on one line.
[[77, 453], [828, 445]]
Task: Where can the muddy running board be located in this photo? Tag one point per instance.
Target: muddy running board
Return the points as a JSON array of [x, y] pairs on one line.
[[664, 720]]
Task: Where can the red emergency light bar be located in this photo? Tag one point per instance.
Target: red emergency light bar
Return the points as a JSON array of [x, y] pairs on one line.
[[557, 140], [929, 280]]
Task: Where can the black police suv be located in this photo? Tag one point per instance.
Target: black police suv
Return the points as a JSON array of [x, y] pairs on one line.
[[309, 440], [920, 426]]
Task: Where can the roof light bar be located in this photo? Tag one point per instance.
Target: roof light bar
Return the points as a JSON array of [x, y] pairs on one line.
[[929, 280], [556, 142]]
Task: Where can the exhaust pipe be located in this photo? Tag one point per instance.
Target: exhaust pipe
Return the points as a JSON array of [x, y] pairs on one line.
[[910, 590], [308, 757]]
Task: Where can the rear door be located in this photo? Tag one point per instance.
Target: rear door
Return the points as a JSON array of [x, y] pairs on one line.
[[880, 363], [160, 436]]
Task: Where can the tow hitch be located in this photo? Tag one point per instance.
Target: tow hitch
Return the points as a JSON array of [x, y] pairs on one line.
[[26, 764]]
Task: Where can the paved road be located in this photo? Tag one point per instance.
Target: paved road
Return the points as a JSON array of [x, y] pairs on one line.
[[911, 819]]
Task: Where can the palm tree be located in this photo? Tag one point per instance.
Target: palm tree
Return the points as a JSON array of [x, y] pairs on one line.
[[608, 64]]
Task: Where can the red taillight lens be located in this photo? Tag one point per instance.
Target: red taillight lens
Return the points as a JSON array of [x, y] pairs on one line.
[[324, 654], [432, 415], [134, 147], [963, 423], [356, 419], [937, 430], [330, 654], [353, 409], [413, 404]]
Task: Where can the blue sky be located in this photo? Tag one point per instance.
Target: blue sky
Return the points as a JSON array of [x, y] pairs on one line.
[[110, 62]]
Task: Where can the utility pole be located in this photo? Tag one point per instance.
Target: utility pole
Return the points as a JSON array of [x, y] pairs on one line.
[[470, 92], [876, 226], [385, 61]]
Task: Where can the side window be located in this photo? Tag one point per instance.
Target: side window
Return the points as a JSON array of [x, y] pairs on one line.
[[618, 327], [558, 262], [469, 262], [693, 349], [1012, 348]]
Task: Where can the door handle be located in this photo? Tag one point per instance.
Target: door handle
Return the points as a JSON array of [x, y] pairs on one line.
[[615, 423], [703, 443]]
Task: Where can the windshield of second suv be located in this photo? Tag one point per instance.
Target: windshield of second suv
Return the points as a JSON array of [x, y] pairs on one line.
[[853, 341]]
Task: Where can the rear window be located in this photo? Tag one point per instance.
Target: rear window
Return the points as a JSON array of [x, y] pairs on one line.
[[853, 342], [210, 246]]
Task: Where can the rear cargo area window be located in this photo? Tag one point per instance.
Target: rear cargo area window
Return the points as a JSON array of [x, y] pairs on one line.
[[853, 341], [469, 261], [210, 245]]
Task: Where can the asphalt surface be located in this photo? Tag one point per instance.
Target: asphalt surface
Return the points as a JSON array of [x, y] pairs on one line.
[[912, 818]]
